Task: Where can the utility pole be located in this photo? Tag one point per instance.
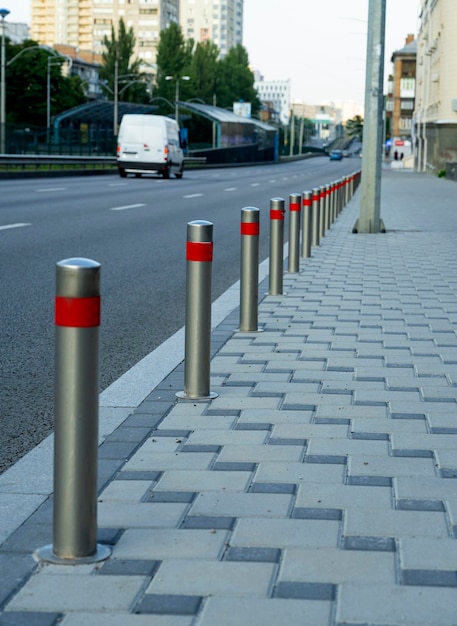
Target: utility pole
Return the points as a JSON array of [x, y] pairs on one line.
[[370, 196]]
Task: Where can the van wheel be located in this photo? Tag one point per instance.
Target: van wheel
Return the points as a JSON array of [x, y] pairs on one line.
[[122, 173], [166, 173], [137, 175], [179, 174]]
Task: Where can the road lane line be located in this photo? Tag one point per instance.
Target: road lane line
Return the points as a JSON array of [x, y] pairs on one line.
[[128, 206], [193, 195], [255, 184], [19, 225], [231, 189], [50, 189]]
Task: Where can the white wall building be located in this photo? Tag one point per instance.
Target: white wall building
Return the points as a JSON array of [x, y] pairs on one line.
[[220, 21], [278, 93], [84, 23]]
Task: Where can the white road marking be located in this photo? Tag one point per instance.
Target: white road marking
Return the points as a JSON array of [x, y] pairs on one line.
[[8, 226], [50, 189], [193, 195], [128, 206], [231, 189], [255, 184]]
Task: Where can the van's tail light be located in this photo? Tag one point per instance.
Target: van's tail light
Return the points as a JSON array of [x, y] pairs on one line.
[[118, 149], [165, 152]]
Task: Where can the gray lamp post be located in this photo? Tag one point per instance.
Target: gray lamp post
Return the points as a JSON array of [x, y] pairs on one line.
[[177, 93], [3, 13]]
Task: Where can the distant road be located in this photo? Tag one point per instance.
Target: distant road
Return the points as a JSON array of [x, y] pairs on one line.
[[136, 229]]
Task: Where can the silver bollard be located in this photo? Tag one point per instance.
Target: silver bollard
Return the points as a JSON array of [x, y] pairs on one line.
[[277, 212], [322, 212], [307, 224], [327, 221], [295, 200], [316, 212], [249, 273], [197, 351], [77, 319]]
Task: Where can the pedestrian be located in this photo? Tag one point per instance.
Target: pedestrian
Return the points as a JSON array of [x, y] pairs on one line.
[[396, 155]]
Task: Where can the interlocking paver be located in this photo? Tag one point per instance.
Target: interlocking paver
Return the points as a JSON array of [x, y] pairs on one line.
[[318, 488]]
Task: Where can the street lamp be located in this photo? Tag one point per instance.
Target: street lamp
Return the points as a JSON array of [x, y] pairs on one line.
[[3, 13], [178, 78]]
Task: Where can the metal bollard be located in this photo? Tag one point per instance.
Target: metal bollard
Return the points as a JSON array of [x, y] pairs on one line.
[[197, 350], [316, 212], [328, 217], [295, 200], [277, 212], [249, 274], [346, 190], [307, 224], [322, 212], [77, 319]]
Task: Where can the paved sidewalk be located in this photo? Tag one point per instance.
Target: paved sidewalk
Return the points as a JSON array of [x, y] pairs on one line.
[[320, 487]]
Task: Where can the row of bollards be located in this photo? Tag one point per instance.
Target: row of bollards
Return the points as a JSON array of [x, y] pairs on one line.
[[77, 322]]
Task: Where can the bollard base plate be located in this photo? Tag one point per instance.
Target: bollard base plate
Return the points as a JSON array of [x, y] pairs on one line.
[[47, 555], [182, 395], [257, 330]]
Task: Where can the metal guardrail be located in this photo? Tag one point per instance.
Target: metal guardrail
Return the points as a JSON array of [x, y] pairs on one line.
[[58, 159]]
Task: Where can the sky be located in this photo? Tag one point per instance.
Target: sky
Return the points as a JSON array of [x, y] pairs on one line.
[[319, 44]]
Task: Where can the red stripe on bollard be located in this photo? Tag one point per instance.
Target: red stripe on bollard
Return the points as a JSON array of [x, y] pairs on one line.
[[199, 251], [316, 197], [294, 206], [307, 202], [250, 228], [275, 214], [77, 312]]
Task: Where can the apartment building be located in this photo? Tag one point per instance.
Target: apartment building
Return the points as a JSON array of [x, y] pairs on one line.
[[84, 23], [401, 99], [220, 21], [277, 94], [435, 117]]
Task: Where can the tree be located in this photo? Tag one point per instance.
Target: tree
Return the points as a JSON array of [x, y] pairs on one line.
[[203, 70], [354, 127], [236, 80], [131, 84], [174, 57], [26, 85]]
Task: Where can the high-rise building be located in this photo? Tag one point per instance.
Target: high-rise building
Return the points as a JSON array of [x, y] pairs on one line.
[[84, 23], [220, 21]]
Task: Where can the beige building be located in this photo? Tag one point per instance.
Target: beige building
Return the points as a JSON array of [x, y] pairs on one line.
[[400, 104], [220, 21], [435, 118], [84, 23]]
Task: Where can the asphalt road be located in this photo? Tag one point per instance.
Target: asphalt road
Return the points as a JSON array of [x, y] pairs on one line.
[[136, 229]]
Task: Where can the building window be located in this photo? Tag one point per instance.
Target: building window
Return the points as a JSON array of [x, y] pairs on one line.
[[407, 105], [405, 123]]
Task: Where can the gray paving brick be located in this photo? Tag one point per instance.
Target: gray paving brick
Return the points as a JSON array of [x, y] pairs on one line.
[[285, 533], [260, 453], [318, 494], [242, 504], [168, 604], [387, 604], [395, 523], [203, 480], [231, 611], [148, 515], [428, 488], [297, 473], [331, 565], [203, 577], [365, 465], [161, 543], [76, 592]]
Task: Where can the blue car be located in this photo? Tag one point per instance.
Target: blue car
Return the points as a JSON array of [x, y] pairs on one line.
[[336, 155]]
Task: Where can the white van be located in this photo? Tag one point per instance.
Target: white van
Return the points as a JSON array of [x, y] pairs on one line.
[[149, 143]]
